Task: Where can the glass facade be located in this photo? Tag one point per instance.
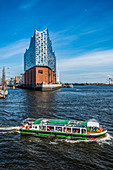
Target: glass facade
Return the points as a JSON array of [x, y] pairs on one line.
[[40, 52]]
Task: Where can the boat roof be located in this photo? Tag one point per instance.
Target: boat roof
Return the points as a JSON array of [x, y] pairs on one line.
[[60, 122], [38, 121]]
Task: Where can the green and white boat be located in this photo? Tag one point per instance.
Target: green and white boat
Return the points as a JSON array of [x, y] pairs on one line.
[[70, 129]]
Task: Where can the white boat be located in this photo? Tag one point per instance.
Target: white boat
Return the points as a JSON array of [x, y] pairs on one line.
[[6, 92], [3, 93]]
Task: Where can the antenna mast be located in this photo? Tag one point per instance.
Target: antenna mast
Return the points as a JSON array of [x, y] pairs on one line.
[[3, 78]]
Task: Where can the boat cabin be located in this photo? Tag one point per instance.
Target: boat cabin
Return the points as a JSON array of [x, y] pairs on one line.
[[67, 126], [71, 129]]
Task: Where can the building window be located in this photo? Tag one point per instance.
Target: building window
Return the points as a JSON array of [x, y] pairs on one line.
[[40, 71]]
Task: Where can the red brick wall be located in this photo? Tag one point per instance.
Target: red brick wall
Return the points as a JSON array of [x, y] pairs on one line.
[[32, 76]]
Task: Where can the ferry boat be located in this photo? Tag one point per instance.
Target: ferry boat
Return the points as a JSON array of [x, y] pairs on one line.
[[70, 129]]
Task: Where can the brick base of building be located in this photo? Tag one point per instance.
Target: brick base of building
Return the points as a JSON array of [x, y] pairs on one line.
[[37, 75]]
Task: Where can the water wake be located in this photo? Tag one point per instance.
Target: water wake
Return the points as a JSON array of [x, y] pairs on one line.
[[12, 129], [106, 140]]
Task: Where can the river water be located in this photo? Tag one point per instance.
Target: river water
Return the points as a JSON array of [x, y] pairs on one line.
[[80, 103]]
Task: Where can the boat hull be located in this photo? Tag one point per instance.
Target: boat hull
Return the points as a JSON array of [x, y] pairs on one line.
[[64, 135]]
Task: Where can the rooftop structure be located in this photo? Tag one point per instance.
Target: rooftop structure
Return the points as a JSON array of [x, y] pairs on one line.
[[40, 52]]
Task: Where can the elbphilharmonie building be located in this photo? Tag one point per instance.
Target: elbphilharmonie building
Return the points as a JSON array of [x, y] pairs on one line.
[[39, 60]]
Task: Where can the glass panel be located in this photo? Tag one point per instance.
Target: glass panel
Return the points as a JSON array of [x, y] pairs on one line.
[[75, 130]]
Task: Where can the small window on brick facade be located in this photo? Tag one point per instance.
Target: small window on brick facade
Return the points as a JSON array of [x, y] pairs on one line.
[[40, 71]]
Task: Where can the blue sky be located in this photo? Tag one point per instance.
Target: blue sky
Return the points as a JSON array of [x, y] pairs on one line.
[[81, 32]]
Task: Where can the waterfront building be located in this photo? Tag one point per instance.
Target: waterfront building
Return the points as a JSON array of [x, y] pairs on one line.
[[39, 60], [18, 80], [10, 82]]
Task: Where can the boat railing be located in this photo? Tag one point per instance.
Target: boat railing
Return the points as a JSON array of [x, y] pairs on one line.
[[28, 120]]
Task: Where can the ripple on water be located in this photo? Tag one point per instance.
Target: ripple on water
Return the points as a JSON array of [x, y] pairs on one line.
[[80, 103]]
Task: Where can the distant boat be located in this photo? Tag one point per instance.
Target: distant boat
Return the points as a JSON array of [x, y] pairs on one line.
[[70, 86], [6, 92], [3, 89], [63, 85], [3, 93]]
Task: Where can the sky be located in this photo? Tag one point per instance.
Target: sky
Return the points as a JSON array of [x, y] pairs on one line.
[[81, 32]]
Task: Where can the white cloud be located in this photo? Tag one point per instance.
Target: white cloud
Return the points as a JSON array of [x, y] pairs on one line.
[[62, 38], [93, 77], [16, 48], [89, 67], [88, 61], [12, 56]]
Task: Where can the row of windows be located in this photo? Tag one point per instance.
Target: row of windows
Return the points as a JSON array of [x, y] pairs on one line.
[[38, 38], [39, 47], [41, 56], [37, 43], [42, 50], [60, 129]]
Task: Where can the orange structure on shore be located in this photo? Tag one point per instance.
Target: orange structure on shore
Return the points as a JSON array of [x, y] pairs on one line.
[[38, 75]]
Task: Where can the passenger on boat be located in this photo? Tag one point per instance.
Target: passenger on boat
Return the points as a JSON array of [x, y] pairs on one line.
[[65, 130], [69, 130], [77, 131], [59, 129], [48, 128], [99, 130]]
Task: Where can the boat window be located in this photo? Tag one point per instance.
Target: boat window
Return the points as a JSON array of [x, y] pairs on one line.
[[83, 131], [58, 129], [50, 128], [35, 127], [42, 127], [93, 129], [75, 130], [69, 130], [65, 129]]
